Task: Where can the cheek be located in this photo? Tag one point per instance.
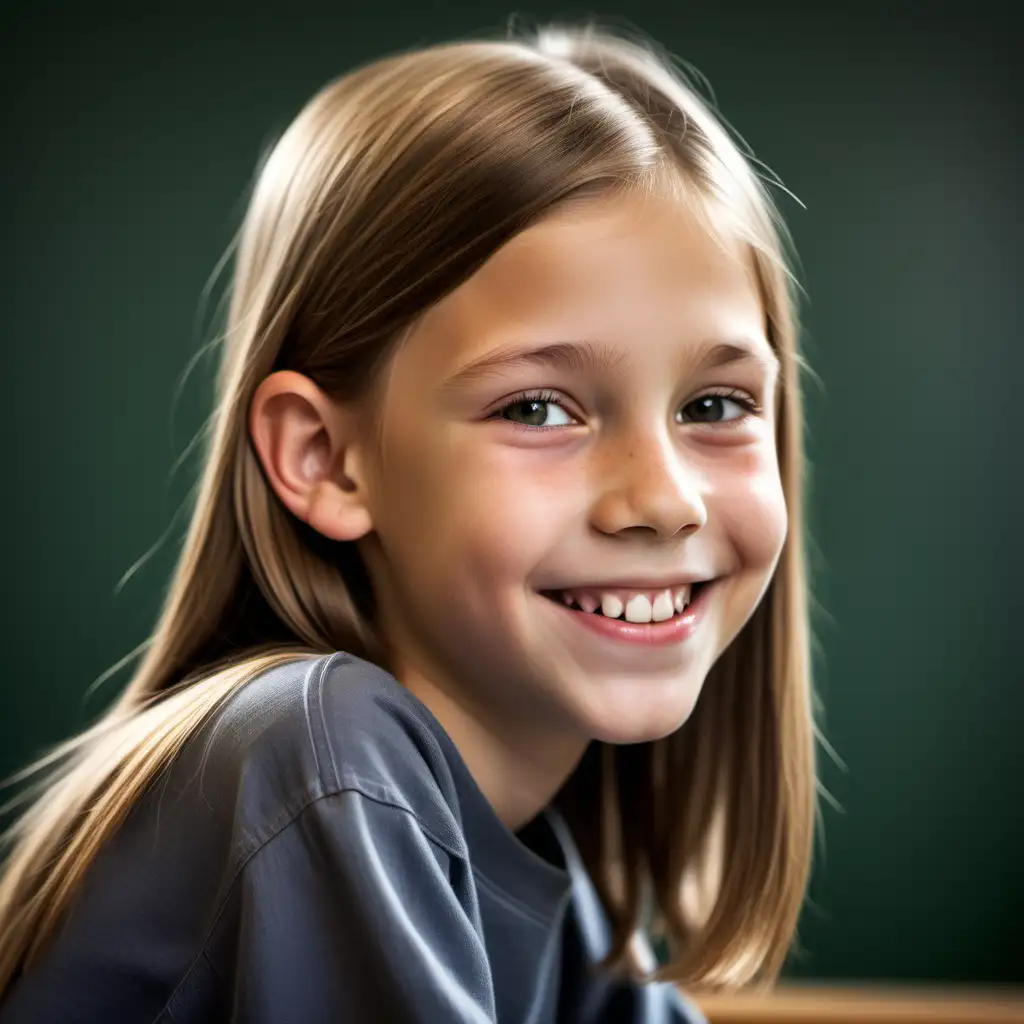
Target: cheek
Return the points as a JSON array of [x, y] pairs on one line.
[[515, 513], [461, 512], [751, 509]]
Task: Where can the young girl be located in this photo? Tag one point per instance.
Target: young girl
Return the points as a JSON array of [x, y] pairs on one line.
[[504, 476]]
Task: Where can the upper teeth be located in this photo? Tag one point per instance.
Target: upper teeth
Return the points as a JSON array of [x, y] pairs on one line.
[[639, 606]]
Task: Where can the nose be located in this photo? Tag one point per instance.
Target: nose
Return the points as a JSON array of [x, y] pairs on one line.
[[648, 486]]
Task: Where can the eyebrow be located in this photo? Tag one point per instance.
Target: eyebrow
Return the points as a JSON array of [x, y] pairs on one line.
[[597, 358]]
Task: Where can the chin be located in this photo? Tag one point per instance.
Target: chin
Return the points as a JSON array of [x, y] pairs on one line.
[[636, 717]]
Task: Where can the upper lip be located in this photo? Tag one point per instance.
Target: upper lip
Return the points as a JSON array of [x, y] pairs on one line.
[[641, 583]]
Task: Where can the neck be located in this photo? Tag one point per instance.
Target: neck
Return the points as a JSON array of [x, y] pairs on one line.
[[519, 771]]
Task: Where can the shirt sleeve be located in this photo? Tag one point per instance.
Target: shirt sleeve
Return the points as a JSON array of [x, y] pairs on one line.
[[350, 913]]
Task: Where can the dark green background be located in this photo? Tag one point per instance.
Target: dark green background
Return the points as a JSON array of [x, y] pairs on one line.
[[128, 143]]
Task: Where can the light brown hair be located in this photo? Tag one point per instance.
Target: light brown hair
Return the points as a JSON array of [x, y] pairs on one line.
[[391, 187]]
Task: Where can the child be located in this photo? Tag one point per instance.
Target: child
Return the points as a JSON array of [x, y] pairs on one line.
[[505, 474]]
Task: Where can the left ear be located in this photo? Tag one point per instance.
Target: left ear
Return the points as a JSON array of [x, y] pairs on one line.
[[309, 448]]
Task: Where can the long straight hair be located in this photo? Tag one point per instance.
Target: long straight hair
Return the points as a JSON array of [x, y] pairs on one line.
[[391, 187]]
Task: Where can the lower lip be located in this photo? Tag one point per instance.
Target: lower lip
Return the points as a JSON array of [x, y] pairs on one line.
[[650, 634]]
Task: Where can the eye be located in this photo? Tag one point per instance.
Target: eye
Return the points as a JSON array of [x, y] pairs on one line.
[[541, 411], [725, 407]]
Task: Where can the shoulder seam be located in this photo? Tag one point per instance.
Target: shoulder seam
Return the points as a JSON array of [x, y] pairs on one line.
[[319, 733], [244, 863]]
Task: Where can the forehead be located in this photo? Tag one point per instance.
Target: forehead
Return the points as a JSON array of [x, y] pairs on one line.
[[619, 271]]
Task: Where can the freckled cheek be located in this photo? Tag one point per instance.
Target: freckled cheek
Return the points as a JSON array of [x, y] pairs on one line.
[[750, 508]]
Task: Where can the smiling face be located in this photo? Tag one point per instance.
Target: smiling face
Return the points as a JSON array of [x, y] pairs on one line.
[[592, 412]]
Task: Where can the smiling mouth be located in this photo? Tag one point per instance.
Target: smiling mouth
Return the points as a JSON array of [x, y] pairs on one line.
[[637, 607]]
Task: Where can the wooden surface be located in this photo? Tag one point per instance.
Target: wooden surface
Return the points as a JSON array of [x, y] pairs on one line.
[[874, 1004]]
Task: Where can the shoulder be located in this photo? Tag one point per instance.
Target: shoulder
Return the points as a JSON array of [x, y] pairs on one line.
[[318, 783], [320, 726]]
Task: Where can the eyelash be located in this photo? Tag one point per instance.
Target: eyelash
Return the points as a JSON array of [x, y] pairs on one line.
[[547, 397], [741, 398]]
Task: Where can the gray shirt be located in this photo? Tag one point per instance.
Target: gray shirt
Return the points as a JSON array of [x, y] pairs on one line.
[[320, 852]]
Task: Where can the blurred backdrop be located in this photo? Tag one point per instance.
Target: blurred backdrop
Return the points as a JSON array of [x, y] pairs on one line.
[[129, 141]]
